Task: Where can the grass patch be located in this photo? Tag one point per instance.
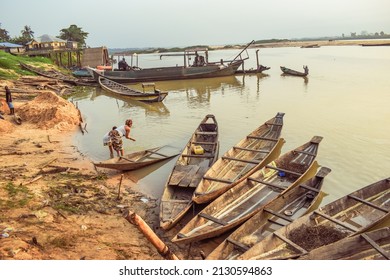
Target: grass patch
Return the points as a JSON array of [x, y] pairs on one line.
[[19, 196], [10, 68]]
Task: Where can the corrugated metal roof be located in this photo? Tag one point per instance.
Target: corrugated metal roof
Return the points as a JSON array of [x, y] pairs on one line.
[[47, 39], [10, 45]]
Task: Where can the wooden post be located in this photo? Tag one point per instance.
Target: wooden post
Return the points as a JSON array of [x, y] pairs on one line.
[[162, 249], [119, 188]]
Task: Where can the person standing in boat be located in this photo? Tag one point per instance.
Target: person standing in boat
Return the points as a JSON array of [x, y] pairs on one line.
[[123, 130], [8, 99]]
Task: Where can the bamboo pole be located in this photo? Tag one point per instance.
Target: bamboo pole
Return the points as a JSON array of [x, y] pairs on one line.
[[161, 247]]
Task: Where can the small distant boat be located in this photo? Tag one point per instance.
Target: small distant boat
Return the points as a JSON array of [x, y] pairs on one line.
[[139, 159], [199, 154], [310, 46], [245, 199], [291, 72], [372, 245], [251, 153], [360, 211], [117, 88], [259, 69], [294, 203]]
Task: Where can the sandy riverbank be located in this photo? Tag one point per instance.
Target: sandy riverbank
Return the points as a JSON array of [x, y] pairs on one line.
[[53, 203]]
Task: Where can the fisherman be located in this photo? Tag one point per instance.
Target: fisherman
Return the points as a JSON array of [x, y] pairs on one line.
[[124, 131]]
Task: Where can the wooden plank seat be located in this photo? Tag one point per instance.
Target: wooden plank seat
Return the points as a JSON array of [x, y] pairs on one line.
[[266, 183], [345, 225], [203, 143], [278, 124], [251, 150], [238, 244], [242, 160], [306, 153], [284, 217], [211, 218], [375, 246], [369, 203], [198, 156], [309, 188], [289, 242], [284, 170], [206, 133], [262, 138], [217, 180]]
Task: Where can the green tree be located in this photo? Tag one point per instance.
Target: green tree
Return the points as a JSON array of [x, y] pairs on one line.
[[4, 34], [75, 34], [26, 36]]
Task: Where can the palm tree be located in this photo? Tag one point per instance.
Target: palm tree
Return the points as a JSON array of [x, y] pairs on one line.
[[74, 33]]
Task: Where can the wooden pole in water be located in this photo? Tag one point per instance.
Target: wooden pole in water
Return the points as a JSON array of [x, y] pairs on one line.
[[161, 247]]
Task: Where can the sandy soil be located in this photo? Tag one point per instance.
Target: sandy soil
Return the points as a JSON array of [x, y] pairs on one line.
[[53, 203]]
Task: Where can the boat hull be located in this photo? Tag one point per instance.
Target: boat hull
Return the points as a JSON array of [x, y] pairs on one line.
[[170, 73]]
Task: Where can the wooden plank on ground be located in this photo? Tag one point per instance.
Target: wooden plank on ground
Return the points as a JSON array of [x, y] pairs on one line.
[[179, 172]]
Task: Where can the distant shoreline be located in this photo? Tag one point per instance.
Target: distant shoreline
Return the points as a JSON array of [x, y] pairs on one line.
[[323, 43]]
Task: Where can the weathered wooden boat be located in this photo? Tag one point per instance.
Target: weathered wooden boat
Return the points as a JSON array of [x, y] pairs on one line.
[[310, 46], [196, 66], [248, 197], [355, 213], [198, 155], [117, 88], [56, 75], [139, 159], [291, 72], [294, 203], [258, 70], [372, 245], [257, 149]]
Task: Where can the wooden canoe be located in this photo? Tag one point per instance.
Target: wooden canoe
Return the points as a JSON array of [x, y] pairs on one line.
[[139, 159], [294, 203], [289, 71], [248, 197], [57, 75], [117, 88], [372, 245], [250, 154], [198, 155], [355, 213]]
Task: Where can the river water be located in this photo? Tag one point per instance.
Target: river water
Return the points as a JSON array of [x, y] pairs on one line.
[[345, 99]]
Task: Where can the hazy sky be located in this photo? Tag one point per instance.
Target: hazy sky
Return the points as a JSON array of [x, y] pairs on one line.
[[180, 23]]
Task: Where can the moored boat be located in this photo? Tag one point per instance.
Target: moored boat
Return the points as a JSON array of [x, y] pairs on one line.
[[291, 72], [198, 155], [117, 88], [254, 151], [371, 245], [294, 203], [355, 213], [196, 65], [248, 197], [139, 159]]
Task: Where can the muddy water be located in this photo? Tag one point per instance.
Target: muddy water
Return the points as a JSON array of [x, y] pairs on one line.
[[345, 99]]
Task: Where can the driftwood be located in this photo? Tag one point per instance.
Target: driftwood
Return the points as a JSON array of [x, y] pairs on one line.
[[161, 247], [33, 180]]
